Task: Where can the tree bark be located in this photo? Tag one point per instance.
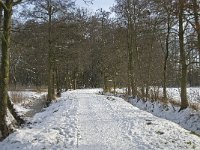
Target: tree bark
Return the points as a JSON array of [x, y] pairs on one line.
[[114, 84], [130, 46], [105, 79], [58, 84], [197, 24], [184, 100], [4, 79], [74, 81], [51, 93], [165, 60]]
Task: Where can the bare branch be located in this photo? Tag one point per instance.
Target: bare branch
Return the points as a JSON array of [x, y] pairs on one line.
[[2, 4], [194, 62], [88, 2], [17, 2]]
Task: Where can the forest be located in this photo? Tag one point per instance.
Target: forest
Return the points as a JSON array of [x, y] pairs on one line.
[[144, 46]]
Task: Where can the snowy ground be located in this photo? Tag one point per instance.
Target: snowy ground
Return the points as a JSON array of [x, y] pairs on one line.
[[174, 93], [188, 118], [30, 102], [192, 92], [83, 120]]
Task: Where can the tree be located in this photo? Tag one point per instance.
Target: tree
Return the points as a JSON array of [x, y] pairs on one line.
[[195, 9], [184, 100], [5, 64], [49, 11], [165, 10], [127, 11]]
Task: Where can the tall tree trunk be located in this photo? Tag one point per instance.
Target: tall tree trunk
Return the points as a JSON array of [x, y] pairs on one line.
[[131, 42], [197, 23], [130, 70], [165, 60], [4, 79], [134, 52], [184, 100], [130, 51], [51, 93]]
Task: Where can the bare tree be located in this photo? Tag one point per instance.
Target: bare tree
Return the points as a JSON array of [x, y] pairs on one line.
[[5, 65], [184, 100]]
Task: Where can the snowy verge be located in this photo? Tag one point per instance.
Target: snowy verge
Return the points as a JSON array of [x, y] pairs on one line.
[[188, 118], [54, 128], [193, 93], [25, 101]]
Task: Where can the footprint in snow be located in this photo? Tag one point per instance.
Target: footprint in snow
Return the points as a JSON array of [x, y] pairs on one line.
[[110, 98], [160, 132]]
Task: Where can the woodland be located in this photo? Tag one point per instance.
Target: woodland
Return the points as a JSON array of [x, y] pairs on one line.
[[140, 45]]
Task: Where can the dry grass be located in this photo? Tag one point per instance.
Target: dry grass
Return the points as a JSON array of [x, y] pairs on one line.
[[28, 88], [39, 90], [195, 106], [174, 102], [17, 97]]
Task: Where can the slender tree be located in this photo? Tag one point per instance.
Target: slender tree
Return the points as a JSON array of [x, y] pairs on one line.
[[184, 100], [51, 60], [197, 22]]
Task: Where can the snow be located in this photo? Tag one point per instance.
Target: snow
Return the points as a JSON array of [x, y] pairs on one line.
[[9, 118], [173, 93], [192, 92], [51, 129], [86, 120], [26, 100], [188, 118], [21, 110], [28, 94]]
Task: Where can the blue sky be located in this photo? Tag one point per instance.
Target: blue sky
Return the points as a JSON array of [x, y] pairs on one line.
[[105, 4]]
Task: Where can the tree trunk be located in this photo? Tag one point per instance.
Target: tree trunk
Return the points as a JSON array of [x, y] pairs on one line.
[[67, 81], [142, 92], [114, 84], [165, 61], [4, 79], [130, 53], [106, 89], [147, 92], [131, 42], [184, 100], [197, 24], [58, 85], [74, 84], [51, 93]]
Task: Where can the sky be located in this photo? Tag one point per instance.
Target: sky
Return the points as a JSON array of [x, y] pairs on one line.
[[97, 4]]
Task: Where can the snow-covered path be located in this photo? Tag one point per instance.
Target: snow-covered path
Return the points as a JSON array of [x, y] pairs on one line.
[[83, 120], [111, 123], [99, 126]]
